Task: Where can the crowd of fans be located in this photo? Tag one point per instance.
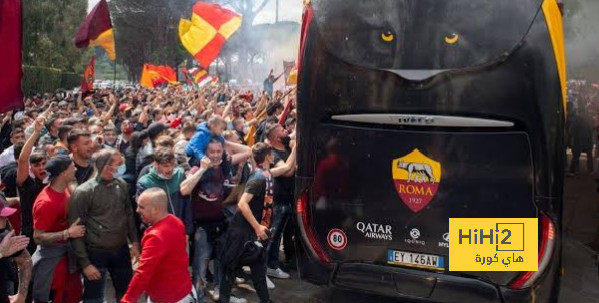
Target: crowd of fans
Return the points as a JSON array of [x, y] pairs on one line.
[[582, 124], [141, 184]]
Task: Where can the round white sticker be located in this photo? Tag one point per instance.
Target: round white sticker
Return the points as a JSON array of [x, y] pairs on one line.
[[337, 239]]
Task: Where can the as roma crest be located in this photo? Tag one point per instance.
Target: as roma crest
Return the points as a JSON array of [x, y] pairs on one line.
[[416, 178]]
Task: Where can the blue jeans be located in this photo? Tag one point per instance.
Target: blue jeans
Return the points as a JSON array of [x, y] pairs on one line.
[[202, 255], [281, 215], [117, 262]]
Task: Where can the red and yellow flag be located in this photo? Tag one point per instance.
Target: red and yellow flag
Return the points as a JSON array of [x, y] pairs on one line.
[[214, 81], [292, 78], [87, 84], [206, 33], [152, 75], [96, 30], [198, 74]]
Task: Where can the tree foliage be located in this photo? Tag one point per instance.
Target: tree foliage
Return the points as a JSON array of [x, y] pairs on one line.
[[48, 30], [147, 31]]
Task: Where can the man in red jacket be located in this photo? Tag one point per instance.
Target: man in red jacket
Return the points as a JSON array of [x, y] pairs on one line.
[[162, 272]]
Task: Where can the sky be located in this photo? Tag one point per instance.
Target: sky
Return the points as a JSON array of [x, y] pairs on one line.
[[289, 10]]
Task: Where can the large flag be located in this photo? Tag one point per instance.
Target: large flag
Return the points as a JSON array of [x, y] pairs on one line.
[[152, 76], [287, 67], [96, 30], [206, 33], [11, 96], [292, 77], [87, 84]]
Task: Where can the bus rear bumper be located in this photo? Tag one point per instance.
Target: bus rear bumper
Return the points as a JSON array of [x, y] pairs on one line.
[[423, 286]]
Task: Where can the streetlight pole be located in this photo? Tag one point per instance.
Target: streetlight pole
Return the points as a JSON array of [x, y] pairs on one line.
[[277, 12]]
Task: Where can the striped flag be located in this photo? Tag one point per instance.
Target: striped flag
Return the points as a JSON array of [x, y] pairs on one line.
[[198, 74]]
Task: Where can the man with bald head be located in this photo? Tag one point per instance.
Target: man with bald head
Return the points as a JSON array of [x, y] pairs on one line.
[[162, 272]]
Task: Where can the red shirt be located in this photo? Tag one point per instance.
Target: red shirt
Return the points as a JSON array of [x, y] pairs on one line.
[[162, 272], [50, 210]]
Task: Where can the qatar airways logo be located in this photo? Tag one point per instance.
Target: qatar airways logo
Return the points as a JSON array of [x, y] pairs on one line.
[[375, 231]]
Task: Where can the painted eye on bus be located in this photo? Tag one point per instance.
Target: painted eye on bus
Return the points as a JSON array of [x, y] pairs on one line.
[[387, 36], [452, 39]]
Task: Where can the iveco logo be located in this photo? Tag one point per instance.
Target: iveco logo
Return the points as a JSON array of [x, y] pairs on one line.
[[415, 120]]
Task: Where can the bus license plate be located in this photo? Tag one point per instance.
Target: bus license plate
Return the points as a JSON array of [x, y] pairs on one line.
[[398, 257]]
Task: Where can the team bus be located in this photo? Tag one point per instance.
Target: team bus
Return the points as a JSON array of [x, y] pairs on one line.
[[411, 112]]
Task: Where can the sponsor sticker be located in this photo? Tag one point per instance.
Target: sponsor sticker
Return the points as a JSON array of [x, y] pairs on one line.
[[493, 244], [337, 239], [414, 235], [416, 178], [445, 242], [375, 231]]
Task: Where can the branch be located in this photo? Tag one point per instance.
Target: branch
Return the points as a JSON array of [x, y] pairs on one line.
[[264, 2], [237, 7]]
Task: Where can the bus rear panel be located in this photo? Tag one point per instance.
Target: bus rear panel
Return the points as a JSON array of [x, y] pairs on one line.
[[412, 112]]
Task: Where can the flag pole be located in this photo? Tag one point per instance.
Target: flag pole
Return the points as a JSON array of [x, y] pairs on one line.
[[114, 76]]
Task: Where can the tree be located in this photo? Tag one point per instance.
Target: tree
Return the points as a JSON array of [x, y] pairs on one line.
[[243, 44], [48, 30], [581, 32], [147, 31]]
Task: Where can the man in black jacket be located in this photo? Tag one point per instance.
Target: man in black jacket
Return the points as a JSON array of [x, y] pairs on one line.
[[103, 205], [249, 225]]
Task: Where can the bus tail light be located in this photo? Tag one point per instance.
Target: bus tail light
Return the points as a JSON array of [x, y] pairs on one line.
[[307, 231], [526, 279]]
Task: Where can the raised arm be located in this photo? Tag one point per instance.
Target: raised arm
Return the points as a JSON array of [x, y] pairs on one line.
[[107, 116], [285, 168], [23, 163], [143, 118], [190, 182], [91, 105], [240, 152]]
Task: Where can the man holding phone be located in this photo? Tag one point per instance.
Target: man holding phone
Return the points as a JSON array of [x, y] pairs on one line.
[[250, 224]]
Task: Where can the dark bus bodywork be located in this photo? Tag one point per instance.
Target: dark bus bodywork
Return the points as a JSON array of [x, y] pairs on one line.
[[411, 112]]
